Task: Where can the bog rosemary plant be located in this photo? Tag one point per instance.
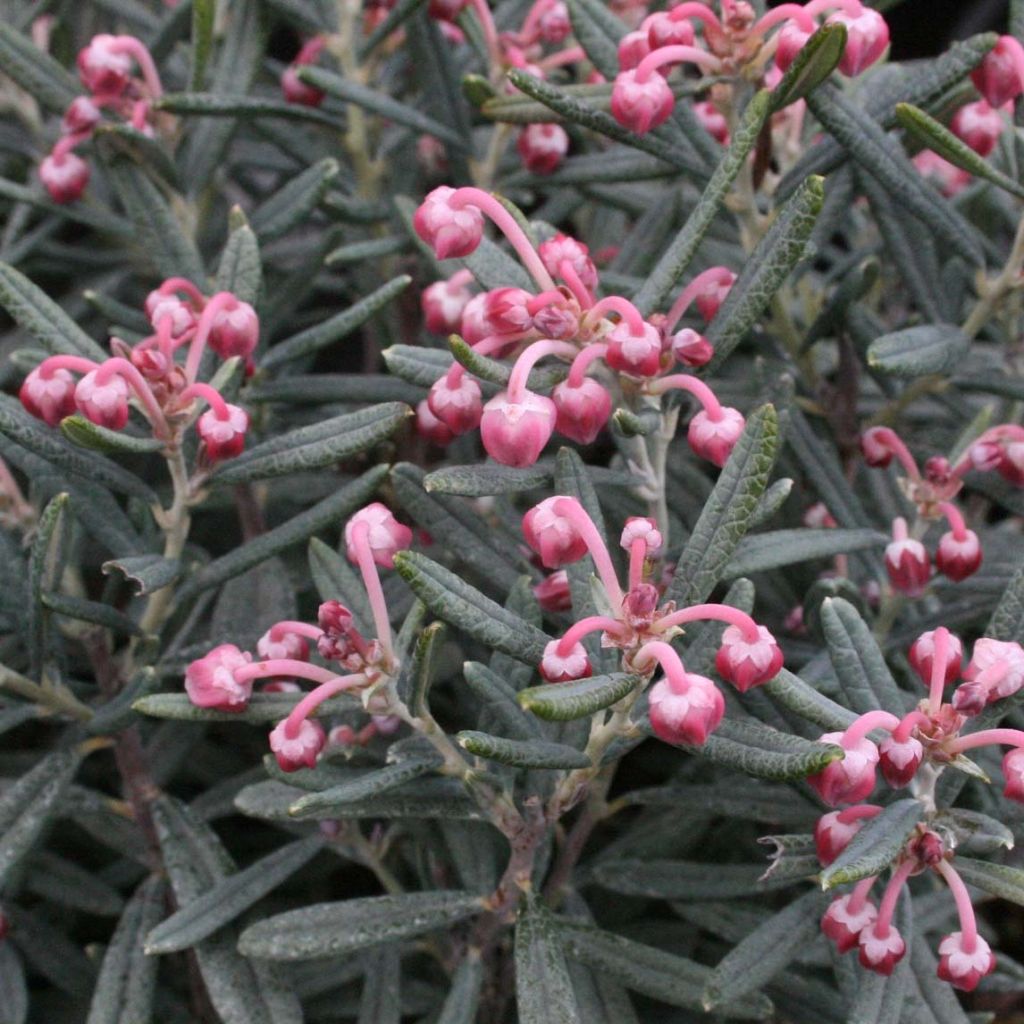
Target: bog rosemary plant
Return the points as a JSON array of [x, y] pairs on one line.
[[508, 513]]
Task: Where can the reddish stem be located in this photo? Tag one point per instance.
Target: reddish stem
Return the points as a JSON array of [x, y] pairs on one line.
[[211, 396], [588, 355], [576, 514], [867, 722], [892, 892], [711, 276], [576, 286], [940, 656], [374, 590], [529, 358]]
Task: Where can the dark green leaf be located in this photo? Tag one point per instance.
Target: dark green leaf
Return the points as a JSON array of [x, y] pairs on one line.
[[916, 351], [787, 547], [35, 70], [1001, 880], [203, 14], [91, 611], [599, 32], [815, 61], [295, 201], [498, 697], [87, 434], [240, 270], [522, 753], [146, 573], [562, 702], [876, 845], [544, 992]]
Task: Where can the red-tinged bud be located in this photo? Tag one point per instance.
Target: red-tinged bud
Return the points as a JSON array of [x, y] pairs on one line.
[[581, 412], [159, 306], [542, 147], [850, 779], [988, 653], [445, 10], [746, 663], [281, 686], [790, 40], [929, 849], [908, 566], [561, 668], [300, 750], [641, 528], [881, 953], [690, 348], [210, 680], [979, 126], [103, 68], [81, 116], [562, 248], [444, 302], [431, 156], [710, 298], [998, 76], [553, 536], [64, 177], [5, 926], [475, 325], [450, 233], [1013, 775], [105, 404], [430, 427], [938, 471], [553, 592], [970, 698], [712, 439], [960, 557], [282, 645], [832, 835], [341, 736], [818, 517], [639, 606], [49, 398], [662, 30], [639, 355], [986, 455], [867, 37], [235, 331], [1011, 466], [224, 436], [875, 447], [299, 92], [961, 969], [922, 657], [843, 925], [506, 310], [386, 536], [633, 47], [515, 433], [641, 106], [556, 322], [685, 710], [554, 24], [458, 407], [946, 177], [714, 123], [899, 760], [334, 618]]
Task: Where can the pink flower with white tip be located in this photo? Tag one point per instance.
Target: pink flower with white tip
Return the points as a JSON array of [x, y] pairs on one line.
[[507, 310], [641, 530], [714, 438], [641, 104], [833, 831], [159, 305], [1000, 75], [747, 661], [557, 666], [633, 47], [790, 40], [685, 708], [64, 176], [49, 396], [457, 404], [899, 757], [979, 126], [376, 530], [963, 969], [299, 747], [634, 348], [664, 30], [103, 398], [553, 592], [845, 920], [690, 348], [211, 682], [997, 664], [235, 330], [1013, 775], [867, 38], [104, 67], [906, 561], [450, 232], [515, 430], [710, 296], [553, 534], [922, 657], [223, 431], [852, 778], [713, 121], [581, 410], [542, 147], [444, 302], [280, 642], [563, 249], [81, 116], [881, 951], [958, 557]]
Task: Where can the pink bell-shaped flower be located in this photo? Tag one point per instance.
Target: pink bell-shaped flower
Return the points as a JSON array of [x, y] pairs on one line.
[[553, 592], [1013, 775], [475, 326], [746, 663], [986, 654], [881, 953], [300, 750], [235, 331], [685, 709], [867, 36], [560, 668], [103, 67], [961, 969], [429, 426], [710, 298], [714, 439], [633, 47], [49, 398], [282, 644], [515, 432], [542, 147], [182, 315], [979, 126], [553, 536], [449, 232], [908, 565], [843, 925], [386, 536], [105, 404], [459, 406], [899, 760], [639, 355], [790, 40], [875, 447], [554, 24], [641, 528], [582, 411], [832, 834], [850, 779], [444, 302], [713, 121], [81, 116], [664, 30], [958, 557], [998, 76], [64, 176], [562, 248], [507, 310], [641, 106], [690, 348], [922, 657], [210, 680], [224, 436]]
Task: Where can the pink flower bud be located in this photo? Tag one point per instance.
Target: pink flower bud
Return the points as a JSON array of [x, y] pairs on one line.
[[554, 24], [922, 657], [542, 147], [562, 248], [103, 70], [81, 116], [961, 969], [445, 10], [341, 736], [714, 440], [641, 528], [988, 652], [662, 30], [875, 447], [301, 750], [986, 455], [460, 407], [747, 664], [581, 412], [938, 471], [899, 760], [867, 36], [64, 177], [1013, 775], [958, 558], [444, 302], [158, 306], [946, 177], [978, 125], [515, 433], [224, 438], [908, 566], [556, 322], [970, 698], [297, 91], [553, 593], [714, 123], [639, 355], [878, 953], [106, 403], [1011, 466], [690, 348], [639, 606], [641, 106], [49, 398], [386, 535], [210, 680], [832, 836], [685, 710], [710, 298], [789, 42], [633, 47], [554, 537], [844, 926], [818, 517], [506, 310], [235, 331], [560, 668], [475, 325], [997, 77], [450, 233], [430, 427], [850, 779]]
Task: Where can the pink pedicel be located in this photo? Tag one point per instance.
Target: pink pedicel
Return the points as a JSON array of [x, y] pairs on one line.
[[448, 231], [298, 749], [558, 667], [552, 535], [64, 176], [542, 147], [385, 535], [641, 105], [235, 330], [685, 708], [299, 92], [867, 38], [748, 663], [223, 432], [282, 643], [714, 438], [1000, 75], [50, 396], [514, 432], [210, 680]]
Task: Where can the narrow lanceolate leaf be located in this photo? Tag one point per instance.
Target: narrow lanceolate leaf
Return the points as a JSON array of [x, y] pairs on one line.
[[365, 788], [765, 951], [127, 980], [295, 201], [663, 976], [998, 879], [599, 32], [562, 702], [916, 351], [816, 60], [240, 270], [230, 897], [498, 697], [203, 13], [455, 601], [495, 372], [727, 512], [857, 659], [14, 987], [27, 806], [480, 481], [262, 708], [35, 70], [876, 845], [331, 929], [686, 880], [659, 283], [316, 446], [779, 251], [145, 573], [792, 693], [522, 753], [424, 665], [45, 571], [544, 992], [976, 832], [1007, 621], [787, 547], [91, 611], [86, 434], [939, 139], [337, 327], [463, 999], [42, 319]]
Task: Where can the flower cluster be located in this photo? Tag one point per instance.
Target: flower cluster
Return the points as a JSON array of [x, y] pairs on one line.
[[164, 389], [105, 68], [684, 707], [223, 678], [560, 319]]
